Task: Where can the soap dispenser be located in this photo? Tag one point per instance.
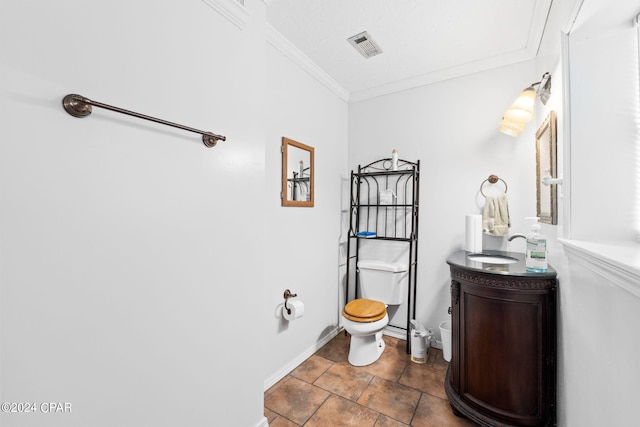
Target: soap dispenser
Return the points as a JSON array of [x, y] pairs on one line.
[[536, 256]]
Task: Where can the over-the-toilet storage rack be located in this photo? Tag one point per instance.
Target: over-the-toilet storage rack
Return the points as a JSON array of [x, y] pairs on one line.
[[394, 217]]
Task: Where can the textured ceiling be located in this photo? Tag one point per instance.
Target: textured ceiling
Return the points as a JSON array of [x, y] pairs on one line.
[[422, 40]]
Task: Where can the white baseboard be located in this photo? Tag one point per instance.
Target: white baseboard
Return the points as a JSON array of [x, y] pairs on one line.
[[395, 332], [301, 358], [263, 422]]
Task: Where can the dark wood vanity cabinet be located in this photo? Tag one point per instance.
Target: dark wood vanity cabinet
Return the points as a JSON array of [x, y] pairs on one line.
[[503, 365]]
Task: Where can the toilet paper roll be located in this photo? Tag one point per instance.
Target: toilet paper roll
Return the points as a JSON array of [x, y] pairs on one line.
[[297, 310], [473, 233]]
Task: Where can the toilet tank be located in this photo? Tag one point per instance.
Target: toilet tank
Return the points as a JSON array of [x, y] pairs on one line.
[[383, 281]]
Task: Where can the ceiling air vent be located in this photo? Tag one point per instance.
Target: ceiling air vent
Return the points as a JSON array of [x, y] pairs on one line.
[[365, 44]]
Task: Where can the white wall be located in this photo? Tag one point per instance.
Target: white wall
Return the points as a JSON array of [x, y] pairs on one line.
[[451, 127], [599, 372], [129, 252], [605, 118], [301, 244]]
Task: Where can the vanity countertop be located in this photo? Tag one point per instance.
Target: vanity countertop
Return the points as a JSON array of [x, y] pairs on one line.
[[519, 268]]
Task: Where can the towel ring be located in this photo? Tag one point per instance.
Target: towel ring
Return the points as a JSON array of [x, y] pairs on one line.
[[492, 180]]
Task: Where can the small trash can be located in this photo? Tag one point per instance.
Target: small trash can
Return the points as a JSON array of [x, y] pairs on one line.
[[419, 347], [445, 333]]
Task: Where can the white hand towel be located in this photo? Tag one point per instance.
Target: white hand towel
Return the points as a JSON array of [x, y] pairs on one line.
[[495, 216]]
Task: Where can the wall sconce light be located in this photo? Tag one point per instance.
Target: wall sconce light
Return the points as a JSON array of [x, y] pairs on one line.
[[521, 112]]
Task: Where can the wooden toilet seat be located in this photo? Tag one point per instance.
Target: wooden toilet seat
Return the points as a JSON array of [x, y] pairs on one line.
[[364, 310]]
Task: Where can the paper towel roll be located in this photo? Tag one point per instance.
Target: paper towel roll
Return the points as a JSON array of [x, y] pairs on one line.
[[297, 310], [473, 233]]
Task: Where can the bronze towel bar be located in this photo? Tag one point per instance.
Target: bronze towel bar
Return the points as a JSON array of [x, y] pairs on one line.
[[79, 106]]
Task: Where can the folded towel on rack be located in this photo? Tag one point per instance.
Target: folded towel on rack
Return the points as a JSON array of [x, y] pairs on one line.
[[495, 216]]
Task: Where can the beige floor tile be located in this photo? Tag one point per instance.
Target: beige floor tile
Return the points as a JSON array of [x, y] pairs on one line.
[[344, 380], [340, 412], [384, 421], [312, 368], [282, 422], [436, 360], [392, 361], [424, 378], [436, 412], [336, 350], [295, 400], [390, 398], [269, 414], [325, 391], [275, 386]]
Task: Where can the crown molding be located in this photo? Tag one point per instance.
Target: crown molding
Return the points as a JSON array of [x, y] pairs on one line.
[[442, 75], [232, 10], [289, 50], [529, 52]]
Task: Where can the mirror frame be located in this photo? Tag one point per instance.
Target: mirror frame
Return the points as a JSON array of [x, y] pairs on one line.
[[286, 143], [546, 165]]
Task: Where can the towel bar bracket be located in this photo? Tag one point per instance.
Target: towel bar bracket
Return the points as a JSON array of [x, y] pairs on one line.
[[76, 105], [79, 106]]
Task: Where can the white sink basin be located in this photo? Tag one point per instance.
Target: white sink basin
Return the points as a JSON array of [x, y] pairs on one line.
[[492, 259]]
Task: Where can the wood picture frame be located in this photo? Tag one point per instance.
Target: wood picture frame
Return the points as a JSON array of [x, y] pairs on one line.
[[297, 174], [546, 166]]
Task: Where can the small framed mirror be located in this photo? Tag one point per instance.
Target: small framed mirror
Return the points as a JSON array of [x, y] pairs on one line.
[[546, 166], [297, 174]]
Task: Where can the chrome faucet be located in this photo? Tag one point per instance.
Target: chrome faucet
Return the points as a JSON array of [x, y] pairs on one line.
[[516, 235]]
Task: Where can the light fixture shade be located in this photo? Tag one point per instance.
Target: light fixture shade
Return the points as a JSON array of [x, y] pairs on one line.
[[511, 124], [522, 109], [509, 131], [510, 128]]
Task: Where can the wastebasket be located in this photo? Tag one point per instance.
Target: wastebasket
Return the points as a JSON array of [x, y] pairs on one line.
[[419, 346], [445, 333]]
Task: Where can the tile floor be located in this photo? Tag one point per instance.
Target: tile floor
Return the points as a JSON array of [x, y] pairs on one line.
[[325, 391]]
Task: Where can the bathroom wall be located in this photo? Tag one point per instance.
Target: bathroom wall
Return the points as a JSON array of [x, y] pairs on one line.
[[130, 254], [451, 127], [301, 244], [598, 365], [605, 119]]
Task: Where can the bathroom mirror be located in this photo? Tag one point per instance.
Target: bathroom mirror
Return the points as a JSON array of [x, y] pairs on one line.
[[297, 174], [546, 165]]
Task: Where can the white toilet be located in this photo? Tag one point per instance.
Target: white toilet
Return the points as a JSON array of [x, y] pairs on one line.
[[381, 284]]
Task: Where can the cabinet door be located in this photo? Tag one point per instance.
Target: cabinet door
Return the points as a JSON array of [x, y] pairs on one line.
[[502, 352]]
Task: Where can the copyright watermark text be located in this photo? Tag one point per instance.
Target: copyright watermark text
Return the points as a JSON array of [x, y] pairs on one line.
[[27, 407]]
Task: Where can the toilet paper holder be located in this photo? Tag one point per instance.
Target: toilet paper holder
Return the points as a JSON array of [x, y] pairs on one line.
[[287, 295]]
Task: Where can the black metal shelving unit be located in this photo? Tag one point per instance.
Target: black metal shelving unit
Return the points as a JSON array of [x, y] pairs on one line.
[[391, 217]]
